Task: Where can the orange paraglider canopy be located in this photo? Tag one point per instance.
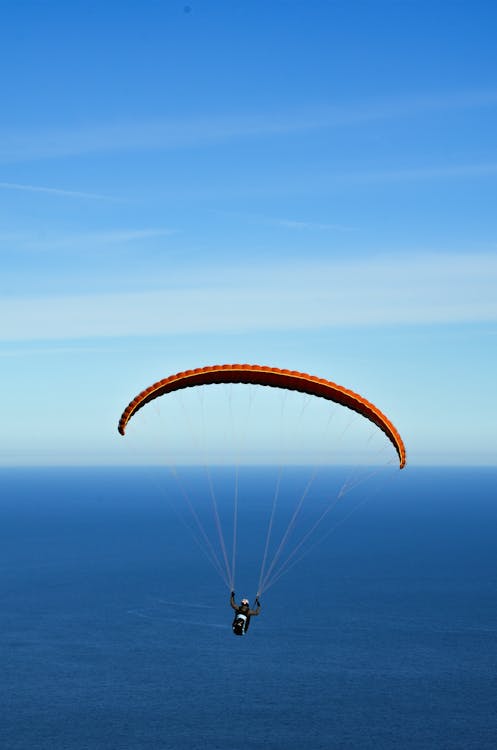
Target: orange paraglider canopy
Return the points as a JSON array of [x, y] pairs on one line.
[[269, 376]]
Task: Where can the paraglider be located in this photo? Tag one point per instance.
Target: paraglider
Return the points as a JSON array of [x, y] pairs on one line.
[[243, 613], [276, 563]]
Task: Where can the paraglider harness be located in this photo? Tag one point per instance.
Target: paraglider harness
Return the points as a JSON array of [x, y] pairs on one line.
[[239, 624]]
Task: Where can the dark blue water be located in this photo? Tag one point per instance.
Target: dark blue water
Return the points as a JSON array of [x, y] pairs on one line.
[[116, 633]]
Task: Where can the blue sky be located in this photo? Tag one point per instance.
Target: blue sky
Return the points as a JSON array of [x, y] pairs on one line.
[[309, 185]]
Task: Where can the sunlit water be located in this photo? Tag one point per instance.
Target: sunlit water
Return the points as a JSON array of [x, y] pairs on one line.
[[116, 630]]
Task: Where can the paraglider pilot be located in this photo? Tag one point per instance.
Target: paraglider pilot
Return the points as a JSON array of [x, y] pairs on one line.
[[243, 613]]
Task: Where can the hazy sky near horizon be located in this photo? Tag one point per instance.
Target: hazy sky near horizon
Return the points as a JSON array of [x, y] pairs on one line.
[[310, 185]]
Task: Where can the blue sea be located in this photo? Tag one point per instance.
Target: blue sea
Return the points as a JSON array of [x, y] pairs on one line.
[[116, 632]]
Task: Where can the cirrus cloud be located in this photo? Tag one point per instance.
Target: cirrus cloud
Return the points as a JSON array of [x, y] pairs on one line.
[[429, 289]]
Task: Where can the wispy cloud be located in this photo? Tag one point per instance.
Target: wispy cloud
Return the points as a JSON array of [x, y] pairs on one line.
[[285, 223], [53, 191], [294, 224], [157, 134], [199, 130], [387, 291], [20, 350], [319, 182], [87, 240], [420, 173]]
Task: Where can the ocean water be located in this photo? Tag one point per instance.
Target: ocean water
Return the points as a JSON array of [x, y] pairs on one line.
[[115, 631]]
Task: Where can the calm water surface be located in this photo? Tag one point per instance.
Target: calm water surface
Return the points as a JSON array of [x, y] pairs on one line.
[[116, 632]]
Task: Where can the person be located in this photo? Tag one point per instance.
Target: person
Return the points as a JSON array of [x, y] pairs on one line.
[[243, 613]]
